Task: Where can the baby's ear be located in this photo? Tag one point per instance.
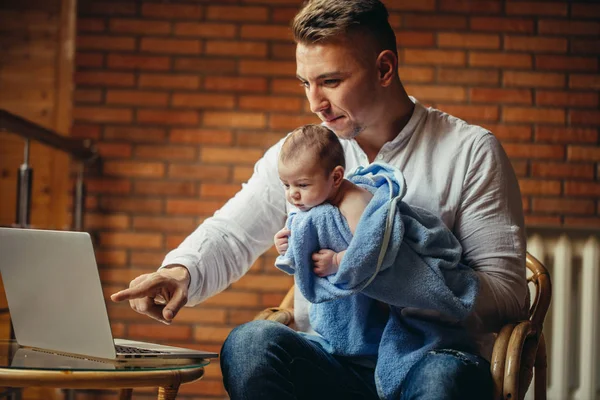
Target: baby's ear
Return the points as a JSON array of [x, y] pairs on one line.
[[338, 175]]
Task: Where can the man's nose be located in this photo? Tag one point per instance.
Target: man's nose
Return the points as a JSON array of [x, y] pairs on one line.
[[317, 101]]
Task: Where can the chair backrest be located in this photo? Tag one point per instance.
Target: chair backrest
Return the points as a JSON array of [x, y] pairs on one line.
[[543, 292]]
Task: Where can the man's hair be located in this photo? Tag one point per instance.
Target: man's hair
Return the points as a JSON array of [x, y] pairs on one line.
[[326, 20], [317, 139]]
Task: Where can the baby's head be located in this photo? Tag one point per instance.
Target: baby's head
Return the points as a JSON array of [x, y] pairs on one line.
[[311, 166]]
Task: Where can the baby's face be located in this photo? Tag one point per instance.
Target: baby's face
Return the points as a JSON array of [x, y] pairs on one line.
[[305, 182]]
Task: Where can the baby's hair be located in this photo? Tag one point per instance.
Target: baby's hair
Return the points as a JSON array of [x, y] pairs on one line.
[[319, 140]]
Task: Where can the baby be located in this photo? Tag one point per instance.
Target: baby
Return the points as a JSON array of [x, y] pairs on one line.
[[311, 168]]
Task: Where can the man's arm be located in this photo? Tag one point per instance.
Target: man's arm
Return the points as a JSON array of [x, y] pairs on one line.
[[490, 228]]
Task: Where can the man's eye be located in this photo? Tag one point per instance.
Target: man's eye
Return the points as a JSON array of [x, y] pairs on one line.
[[303, 185], [331, 82], [304, 84]]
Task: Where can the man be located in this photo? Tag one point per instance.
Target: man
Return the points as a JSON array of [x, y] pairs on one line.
[[347, 61]]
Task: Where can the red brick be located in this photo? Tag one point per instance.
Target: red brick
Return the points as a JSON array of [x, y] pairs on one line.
[[414, 39], [198, 64], [566, 135], [567, 63], [395, 20], [104, 78], [284, 15], [162, 152], [468, 6], [158, 331], [590, 189], [534, 114], [468, 76], [583, 10], [435, 57], [468, 40], [562, 170], [585, 222], [563, 206], [134, 134], [199, 172], [270, 103], [236, 84], [520, 167], [202, 100], [536, 8], [500, 24], [90, 25], [145, 258], [134, 97], [167, 81], [408, 5], [269, 32], [287, 86], [237, 13], [471, 112], [107, 8], [257, 139], [200, 136], [539, 187], [219, 190], [221, 47], [105, 185], [171, 46], [85, 131], [242, 174], [411, 75], [138, 62], [131, 204], [535, 44], [520, 133], [268, 68], [169, 189], [568, 28], [583, 153], [203, 29], [534, 151], [216, 155], [87, 96], [533, 79], [114, 150], [139, 26], [193, 207], [291, 121], [586, 46], [95, 221], [283, 51], [500, 60], [112, 257], [234, 120], [584, 117], [134, 169], [504, 96], [89, 59], [541, 220], [435, 22], [437, 92], [102, 114], [167, 117], [131, 240], [211, 334], [585, 81], [88, 42], [566, 98], [172, 11]]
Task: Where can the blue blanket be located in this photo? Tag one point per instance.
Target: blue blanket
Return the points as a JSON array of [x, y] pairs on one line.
[[400, 255]]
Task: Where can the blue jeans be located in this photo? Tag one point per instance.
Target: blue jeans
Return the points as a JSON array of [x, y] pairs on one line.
[[265, 360]]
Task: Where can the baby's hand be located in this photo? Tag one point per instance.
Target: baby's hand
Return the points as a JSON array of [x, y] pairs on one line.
[[281, 240], [325, 262]]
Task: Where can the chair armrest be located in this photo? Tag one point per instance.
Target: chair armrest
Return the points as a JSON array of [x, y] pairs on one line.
[[277, 314], [520, 359], [498, 361]]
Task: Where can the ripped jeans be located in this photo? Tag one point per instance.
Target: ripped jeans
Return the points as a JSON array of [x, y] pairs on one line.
[[265, 360]]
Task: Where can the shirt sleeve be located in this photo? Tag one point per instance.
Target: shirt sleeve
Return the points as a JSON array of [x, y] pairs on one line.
[[490, 227], [223, 247]]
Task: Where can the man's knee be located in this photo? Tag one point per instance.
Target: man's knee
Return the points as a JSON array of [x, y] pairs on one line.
[[254, 336]]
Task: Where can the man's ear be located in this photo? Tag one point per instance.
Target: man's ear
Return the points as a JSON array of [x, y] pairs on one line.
[[338, 175], [387, 67]]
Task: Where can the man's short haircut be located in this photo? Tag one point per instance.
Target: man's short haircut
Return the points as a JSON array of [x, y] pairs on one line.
[[318, 140], [326, 20]]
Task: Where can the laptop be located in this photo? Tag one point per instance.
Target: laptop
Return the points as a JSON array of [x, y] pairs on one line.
[[56, 302]]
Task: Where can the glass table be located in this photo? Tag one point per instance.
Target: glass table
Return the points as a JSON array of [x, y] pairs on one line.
[[23, 367]]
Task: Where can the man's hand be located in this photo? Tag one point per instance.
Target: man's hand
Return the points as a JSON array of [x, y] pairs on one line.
[[281, 240], [159, 295], [325, 262]]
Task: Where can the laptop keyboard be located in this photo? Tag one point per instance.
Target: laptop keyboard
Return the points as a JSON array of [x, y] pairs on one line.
[[136, 350]]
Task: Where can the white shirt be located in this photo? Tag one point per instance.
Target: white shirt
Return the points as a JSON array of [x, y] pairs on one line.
[[457, 171]]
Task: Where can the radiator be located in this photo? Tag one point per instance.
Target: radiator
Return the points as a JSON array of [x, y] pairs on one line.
[[571, 327]]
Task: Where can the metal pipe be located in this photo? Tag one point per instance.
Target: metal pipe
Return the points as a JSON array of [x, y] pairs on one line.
[[79, 201], [24, 182]]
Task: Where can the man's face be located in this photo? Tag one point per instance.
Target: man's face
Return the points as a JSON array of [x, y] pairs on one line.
[[341, 84], [305, 182]]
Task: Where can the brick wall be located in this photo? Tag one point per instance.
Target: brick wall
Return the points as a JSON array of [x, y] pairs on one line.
[[183, 98]]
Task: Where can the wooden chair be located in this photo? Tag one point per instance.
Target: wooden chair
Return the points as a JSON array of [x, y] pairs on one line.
[[519, 348]]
